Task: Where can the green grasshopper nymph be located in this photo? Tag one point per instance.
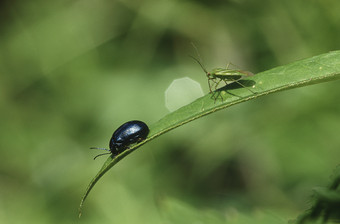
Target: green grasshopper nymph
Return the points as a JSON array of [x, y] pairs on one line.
[[227, 75]]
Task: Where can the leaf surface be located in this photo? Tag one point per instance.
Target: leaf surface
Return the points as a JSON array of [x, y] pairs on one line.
[[318, 69]]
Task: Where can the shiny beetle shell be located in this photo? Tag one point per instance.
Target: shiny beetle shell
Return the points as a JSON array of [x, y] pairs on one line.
[[127, 134]]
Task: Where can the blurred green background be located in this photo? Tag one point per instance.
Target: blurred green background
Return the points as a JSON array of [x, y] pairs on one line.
[[72, 71]]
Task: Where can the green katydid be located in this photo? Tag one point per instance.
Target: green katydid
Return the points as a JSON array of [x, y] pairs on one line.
[[227, 75]]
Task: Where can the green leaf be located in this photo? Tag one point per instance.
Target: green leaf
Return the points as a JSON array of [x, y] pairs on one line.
[[325, 204], [309, 71]]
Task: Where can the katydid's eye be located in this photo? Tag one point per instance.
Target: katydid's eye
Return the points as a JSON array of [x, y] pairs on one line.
[[128, 133]]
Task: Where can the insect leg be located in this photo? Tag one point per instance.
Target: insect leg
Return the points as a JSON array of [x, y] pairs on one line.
[[216, 95], [209, 85], [217, 83], [237, 81], [233, 65]]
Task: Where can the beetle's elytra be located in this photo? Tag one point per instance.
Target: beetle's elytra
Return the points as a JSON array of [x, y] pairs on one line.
[[127, 134]]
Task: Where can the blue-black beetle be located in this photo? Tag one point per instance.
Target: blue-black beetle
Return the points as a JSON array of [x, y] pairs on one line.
[[127, 134]]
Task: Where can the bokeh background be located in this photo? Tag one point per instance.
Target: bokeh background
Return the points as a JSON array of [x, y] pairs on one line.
[[72, 71]]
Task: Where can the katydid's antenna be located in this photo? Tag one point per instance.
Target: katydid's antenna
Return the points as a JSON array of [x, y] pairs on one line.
[[199, 60]]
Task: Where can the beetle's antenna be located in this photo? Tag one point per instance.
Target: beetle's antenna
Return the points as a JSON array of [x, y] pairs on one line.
[[101, 155], [199, 60], [100, 148]]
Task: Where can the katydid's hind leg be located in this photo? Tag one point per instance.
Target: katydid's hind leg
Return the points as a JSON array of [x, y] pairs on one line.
[[228, 83], [228, 64], [233, 65], [237, 81]]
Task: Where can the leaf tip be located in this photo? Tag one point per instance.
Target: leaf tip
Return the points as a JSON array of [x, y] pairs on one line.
[[80, 209]]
